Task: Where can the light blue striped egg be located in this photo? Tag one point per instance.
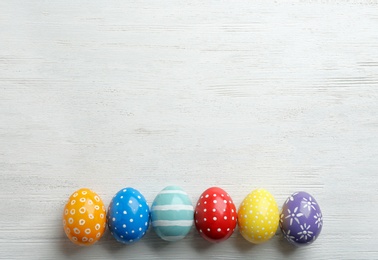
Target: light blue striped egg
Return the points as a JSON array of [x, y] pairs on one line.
[[172, 214]]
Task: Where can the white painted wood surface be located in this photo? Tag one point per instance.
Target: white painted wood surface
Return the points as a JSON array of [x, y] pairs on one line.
[[237, 94]]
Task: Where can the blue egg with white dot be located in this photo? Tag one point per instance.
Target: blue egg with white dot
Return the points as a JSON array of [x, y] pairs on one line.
[[128, 216]]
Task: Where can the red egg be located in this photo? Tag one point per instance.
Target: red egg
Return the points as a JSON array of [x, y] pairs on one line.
[[215, 216]]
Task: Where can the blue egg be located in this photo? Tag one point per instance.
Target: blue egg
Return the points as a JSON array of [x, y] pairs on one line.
[[128, 216], [172, 214]]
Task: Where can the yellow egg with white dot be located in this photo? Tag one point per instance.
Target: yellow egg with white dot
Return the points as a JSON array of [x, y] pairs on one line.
[[258, 216]]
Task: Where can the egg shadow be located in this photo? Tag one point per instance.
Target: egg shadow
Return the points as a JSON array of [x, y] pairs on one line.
[[155, 242], [159, 245], [111, 245], [286, 248], [241, 244], [277, 241], [199, 243], [149, 239], [69, 249]]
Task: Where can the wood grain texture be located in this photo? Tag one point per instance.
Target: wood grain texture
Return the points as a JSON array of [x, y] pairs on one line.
[[237, 94]]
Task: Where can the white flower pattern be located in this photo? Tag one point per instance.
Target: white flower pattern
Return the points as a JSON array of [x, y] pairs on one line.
[[291, 198], [305, 233], [309, 203], [293, 215], [301, 219], [318, 219], [289, 236]]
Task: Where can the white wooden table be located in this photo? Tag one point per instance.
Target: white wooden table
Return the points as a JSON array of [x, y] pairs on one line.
[[236, 94]]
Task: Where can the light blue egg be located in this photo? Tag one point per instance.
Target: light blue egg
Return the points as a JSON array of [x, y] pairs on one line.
[[172, 214], [128, 216]]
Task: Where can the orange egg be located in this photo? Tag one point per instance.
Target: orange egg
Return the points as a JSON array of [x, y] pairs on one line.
[[84, 217]]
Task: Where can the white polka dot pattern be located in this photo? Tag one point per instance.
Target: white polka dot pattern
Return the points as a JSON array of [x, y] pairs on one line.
[[258, 216], [81, 219], [128, 216], [215, 215]]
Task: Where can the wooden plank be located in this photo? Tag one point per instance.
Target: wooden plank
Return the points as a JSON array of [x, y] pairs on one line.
[[236, 94]]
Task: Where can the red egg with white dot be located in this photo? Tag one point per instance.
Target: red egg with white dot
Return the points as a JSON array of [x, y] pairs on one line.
[[215, 215]]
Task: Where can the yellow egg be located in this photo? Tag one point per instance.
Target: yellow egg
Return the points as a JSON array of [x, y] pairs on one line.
[[258, 216]]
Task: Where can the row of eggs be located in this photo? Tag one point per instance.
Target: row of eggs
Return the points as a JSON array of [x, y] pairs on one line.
[[172, 215]]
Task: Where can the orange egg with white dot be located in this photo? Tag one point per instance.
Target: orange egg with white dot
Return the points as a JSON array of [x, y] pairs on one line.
[[84, 217], [258, 216]]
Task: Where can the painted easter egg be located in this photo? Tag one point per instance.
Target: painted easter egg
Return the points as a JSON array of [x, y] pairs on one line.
[[215, 215], [258, 216], [172, 214], [84, 217], [128, 216], [301, 219]]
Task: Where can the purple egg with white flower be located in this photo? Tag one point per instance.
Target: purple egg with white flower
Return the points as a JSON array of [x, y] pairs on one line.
[[301, 219]]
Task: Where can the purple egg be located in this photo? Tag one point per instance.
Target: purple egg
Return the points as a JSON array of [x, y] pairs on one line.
[[301, 220]]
